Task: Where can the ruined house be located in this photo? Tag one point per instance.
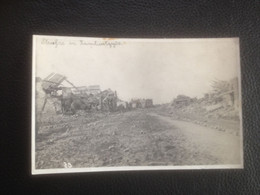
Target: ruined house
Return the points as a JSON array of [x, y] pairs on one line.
[[47, 98], [108, 100], [148, 103], [122, 105], [135, 103], [181, 100], [52, 82], [141, 103], [70, 99], [82, 90], [230, 96], [94, 89]]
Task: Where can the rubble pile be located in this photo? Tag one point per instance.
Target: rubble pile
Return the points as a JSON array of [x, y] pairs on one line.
[[59, 108], [222, 102], [218, 110], [53, 97]]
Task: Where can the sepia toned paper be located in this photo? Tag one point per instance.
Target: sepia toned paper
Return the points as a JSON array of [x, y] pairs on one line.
[[106, 104]]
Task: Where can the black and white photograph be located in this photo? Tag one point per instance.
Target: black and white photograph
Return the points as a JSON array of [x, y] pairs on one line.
[[122, 104]]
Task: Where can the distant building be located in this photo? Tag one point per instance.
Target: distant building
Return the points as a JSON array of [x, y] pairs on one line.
[[94, 89], [181, 101], [83, 90], [121, 104], [148, 103], [141, 103]]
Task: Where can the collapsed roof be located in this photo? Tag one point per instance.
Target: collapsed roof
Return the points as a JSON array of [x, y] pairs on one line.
[[52, 81]]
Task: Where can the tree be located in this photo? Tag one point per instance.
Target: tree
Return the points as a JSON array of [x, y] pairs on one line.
[[219, 86]]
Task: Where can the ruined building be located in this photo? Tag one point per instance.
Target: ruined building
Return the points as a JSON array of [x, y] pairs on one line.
[[141, 103], [181, 100], [230, 97]]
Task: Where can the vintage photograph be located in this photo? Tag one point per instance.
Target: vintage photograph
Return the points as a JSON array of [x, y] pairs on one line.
[[107, 104]]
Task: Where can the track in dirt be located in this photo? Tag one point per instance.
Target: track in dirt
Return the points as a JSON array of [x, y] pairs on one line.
[[135, 138], [222, 145]]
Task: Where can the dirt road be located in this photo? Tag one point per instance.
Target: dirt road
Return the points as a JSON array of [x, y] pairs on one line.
[[221, 145], [135, 138]]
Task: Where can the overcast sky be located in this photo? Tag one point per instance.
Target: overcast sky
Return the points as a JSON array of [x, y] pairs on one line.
[[159, 69]]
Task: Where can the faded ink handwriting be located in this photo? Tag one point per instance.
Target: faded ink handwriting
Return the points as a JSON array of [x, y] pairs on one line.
[[54, 42], [95, 43]]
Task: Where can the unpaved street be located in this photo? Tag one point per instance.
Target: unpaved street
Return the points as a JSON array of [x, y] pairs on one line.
[[136, 138], [223, 146]]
